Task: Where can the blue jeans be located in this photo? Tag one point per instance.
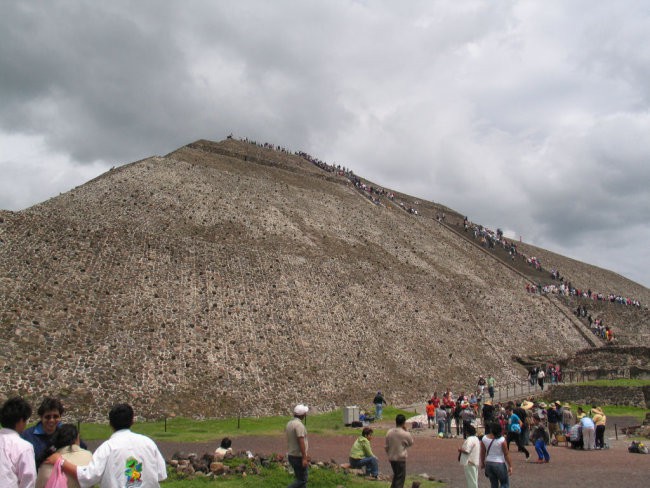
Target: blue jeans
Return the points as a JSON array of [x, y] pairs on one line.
[[370, 463], [542, 453], [379, 409], [299, 472], [441, 426], [497, 473]]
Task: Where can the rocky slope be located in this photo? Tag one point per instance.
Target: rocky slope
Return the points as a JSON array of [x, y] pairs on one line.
[[226, 278]]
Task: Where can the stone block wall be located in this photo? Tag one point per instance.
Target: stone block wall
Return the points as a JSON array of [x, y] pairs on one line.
[[594, 395]]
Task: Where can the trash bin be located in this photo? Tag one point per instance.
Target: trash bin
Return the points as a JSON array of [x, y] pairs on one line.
[[350, 414]]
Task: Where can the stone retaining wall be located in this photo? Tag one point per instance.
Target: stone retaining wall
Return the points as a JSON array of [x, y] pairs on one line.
[[599, 395]]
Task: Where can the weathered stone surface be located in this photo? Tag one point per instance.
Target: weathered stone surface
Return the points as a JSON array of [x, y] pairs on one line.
[[225, 279]]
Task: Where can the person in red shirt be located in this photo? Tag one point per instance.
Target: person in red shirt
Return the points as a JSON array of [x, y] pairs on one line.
[[431, 413]]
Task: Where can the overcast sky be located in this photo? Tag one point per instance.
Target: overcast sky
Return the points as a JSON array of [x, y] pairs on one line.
[[532, 116]]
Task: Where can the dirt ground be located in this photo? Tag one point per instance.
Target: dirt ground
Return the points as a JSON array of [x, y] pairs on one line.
[[438, 458]]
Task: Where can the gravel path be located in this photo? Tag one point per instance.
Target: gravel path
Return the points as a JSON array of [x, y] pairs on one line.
[[438, 458]]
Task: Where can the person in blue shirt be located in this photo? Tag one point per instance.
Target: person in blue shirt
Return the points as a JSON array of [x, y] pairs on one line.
[[40, 435], [515, 425]]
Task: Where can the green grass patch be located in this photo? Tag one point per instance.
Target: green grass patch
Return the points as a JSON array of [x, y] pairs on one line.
[[614, 411], [182, 429], [276, 476], [616, 382]]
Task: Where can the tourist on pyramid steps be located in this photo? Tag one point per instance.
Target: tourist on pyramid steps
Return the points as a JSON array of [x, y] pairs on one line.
[[600, 420], [515, 425], [379, 403], [495, 457], [431, 414], [481, 384], [532, 375], [491, 383], [66, 443], [588, 432], [40, 435], [540, 438], [540, 378], [125, 459], [398, 440], [441, 420], [17, 465], [470, 456], [361, 455], [298, 446]]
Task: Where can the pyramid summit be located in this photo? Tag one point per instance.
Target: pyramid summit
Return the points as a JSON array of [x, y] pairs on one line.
[[230, 277]]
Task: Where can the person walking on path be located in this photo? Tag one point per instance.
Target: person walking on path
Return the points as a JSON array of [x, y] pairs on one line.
[[17, 464], [470, 456], [495, 457], [379, 402], [125, 459], [491, 383], [540, 438], [515, 426], [540, 378], [298, 446], [398, 440]]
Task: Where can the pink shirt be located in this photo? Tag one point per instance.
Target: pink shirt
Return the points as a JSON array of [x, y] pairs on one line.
[[17, 464]]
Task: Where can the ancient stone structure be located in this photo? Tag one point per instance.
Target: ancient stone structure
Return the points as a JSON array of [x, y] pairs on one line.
[[225, 278]]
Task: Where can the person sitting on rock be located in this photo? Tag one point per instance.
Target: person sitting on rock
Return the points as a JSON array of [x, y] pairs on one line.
[[361, 455], [223, 450]]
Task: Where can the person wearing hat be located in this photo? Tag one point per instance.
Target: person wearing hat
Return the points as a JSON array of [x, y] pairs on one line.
[[554, 418], [588, 430], [487, 412], [567, 418], [599, 418], [297, 446], [467, 416]]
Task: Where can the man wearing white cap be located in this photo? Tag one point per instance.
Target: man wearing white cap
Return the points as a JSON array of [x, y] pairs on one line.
[[297, 446]]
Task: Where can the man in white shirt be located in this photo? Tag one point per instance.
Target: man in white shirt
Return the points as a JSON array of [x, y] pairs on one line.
[[125, 460], [17, 464]]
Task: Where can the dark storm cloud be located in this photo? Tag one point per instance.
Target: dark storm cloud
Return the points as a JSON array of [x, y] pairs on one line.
[[531, 116]]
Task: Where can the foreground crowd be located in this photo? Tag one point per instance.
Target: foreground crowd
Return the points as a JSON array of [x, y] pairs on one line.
[[51, 453]]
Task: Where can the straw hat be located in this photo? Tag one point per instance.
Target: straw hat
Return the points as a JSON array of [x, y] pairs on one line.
[[526, 405]]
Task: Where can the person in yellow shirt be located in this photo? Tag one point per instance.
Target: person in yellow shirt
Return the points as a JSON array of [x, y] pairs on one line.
[[361, 455], [600, 420]]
